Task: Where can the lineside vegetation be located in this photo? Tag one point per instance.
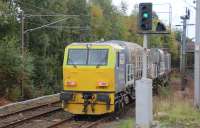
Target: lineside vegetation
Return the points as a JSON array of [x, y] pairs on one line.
[[44, 48]]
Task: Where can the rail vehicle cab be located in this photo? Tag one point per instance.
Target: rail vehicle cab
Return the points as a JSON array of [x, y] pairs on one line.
[[89, 78]]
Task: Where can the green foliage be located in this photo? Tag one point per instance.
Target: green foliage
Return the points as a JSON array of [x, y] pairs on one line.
[[129, 123], [165, 91], [11, 68], [14, 93]]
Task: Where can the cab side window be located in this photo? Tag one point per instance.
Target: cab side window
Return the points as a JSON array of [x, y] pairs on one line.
[[118, 59]]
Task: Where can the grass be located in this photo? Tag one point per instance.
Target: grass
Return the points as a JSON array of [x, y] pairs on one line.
[[171, 112], [129, 123], [171, 109], [175, 76], [174, 111], [178, 113]]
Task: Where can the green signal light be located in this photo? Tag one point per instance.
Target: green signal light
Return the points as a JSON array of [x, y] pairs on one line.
[[145, 15]]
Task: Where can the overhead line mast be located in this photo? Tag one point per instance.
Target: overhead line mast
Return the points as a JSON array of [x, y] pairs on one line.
[[197, 59], [22, 48]]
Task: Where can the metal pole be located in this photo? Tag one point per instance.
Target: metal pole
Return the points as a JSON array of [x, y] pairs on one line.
[[144, 103], [197, 63], [184, 43], [22, 52], [144, 71], [183, 52]]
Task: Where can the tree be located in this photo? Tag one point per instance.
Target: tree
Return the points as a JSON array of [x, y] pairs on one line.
[[10, 54]]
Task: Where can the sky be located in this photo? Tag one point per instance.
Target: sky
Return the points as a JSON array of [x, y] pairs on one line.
[[178, 9]]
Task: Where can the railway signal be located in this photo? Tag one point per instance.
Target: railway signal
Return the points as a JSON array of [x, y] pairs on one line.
[[145, 16], [144, 100]]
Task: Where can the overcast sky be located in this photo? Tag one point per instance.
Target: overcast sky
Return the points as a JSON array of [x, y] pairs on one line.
[[178, 9]]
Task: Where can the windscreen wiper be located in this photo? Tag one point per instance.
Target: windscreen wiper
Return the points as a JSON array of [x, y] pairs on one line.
[[98, 65], [72, 62]]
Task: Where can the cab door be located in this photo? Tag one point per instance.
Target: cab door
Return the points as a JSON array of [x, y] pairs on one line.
[[120, 70]]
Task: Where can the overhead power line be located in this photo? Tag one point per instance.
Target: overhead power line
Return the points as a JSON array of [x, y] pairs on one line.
[[69, 27], [42, 15], [29, 30], [50, 15], [63, 27]]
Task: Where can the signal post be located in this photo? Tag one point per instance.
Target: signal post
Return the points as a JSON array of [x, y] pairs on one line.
[[144, 103], [144, 112], [144, 95]]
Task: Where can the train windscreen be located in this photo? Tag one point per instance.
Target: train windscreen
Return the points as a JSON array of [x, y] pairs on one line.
[[87, 57]]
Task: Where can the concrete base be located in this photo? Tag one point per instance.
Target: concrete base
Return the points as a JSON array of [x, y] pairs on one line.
[[144, 105]]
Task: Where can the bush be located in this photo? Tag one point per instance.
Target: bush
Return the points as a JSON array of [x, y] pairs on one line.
[[14, 94], [129, 123], [11, 70]]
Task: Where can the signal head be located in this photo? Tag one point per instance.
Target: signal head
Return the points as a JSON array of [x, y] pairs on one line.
[[145, 16]]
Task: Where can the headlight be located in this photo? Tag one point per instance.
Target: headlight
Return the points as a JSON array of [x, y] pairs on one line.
[[71, 83], [102, 84]]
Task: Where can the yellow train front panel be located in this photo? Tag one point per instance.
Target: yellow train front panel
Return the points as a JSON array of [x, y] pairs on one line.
[[89, 79], [88, 89]]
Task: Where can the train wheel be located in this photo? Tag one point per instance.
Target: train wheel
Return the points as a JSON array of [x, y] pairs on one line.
[[126, 99], [117, 107], [122, 107]]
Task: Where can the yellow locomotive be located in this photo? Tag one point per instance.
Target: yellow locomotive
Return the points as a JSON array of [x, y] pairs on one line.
[[99, 77]]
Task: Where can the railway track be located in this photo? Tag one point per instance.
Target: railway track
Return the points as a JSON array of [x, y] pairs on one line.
[[86, 123], [18, 117], [29, 109], [47, 116], [44, 115]]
